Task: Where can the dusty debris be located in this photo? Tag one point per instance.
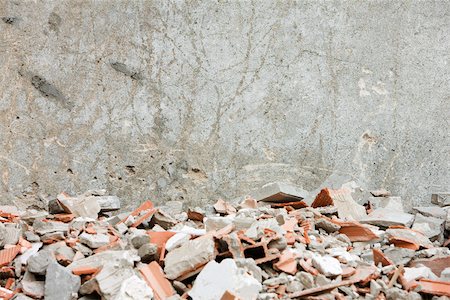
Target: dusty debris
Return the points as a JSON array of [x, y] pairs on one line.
[[441, 199], [431, 227], [191, 256], [386, 217], [216, 279], [275, 248], [347, 208]]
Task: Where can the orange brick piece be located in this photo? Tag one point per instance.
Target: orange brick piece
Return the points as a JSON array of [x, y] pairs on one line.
[[7, 255], [154, 276]]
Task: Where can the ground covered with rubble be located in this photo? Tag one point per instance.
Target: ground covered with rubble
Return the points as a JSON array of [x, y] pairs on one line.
[[269, 245]]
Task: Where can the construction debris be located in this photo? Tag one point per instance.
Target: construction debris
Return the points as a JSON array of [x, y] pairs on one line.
[[272, 246]]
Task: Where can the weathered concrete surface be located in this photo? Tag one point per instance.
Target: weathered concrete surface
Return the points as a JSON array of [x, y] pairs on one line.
[[207, 99]]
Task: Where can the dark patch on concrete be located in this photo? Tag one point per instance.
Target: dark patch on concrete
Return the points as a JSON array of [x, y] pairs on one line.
[[130, 169], [54, 21], [10, 20], [124, 69], [48, 90]]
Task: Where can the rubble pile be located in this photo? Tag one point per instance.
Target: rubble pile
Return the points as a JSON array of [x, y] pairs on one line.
[[276, 244]]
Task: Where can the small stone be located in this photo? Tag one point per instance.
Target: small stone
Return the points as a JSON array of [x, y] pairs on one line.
[[86, 251], [54, 207], [108, 203], [267, 296], [177, 240], [190, 255], [393, 203], [419, 272], [375, 288], [94, 240], [321, 280], [396, 294], [326, 225], [276, 281], [216, 223], [32, 287], [65, 252], [294, 286], [31, 237], [39, 262], [110, 279], [42, 228], [215, 279], [306, 279], [387, 269], [431, 211], [164, 220], [80, 206], [134, 288], [386, 217], [9, 235], [431, 227], [139, 240], [349, 292], [121, 228], [441, 199], [147, 252], [327, 265], [445, 274], [250, 266]]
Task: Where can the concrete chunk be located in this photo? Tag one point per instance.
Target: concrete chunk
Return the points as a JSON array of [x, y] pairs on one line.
[[42, 228], [31, 286], [148, 252], [279, 192], [189, 256], [215, 279], [94, 240], [106, 257], [400, 256], [418, 273], [216, 223], [60, 283], [387, 217], [108, 203], [445, 275], [327, 265], [39, 262], [326, 225], [110, 279], [431, 211], [177, 240], [441, 199], [409, 235], [9, 235], [431, 227], [348, 209], [80, 206], [134, 288], [393, 203]]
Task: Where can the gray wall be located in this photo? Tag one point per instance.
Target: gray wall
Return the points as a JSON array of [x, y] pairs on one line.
[[204, 99]]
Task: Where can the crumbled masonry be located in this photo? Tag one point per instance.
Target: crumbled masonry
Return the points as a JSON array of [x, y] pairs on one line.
[[280, 244]]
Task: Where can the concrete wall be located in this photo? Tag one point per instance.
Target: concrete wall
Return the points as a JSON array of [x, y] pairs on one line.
[[204, 99]]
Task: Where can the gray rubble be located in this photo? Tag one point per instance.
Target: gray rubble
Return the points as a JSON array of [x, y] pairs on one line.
[[249, 250]]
